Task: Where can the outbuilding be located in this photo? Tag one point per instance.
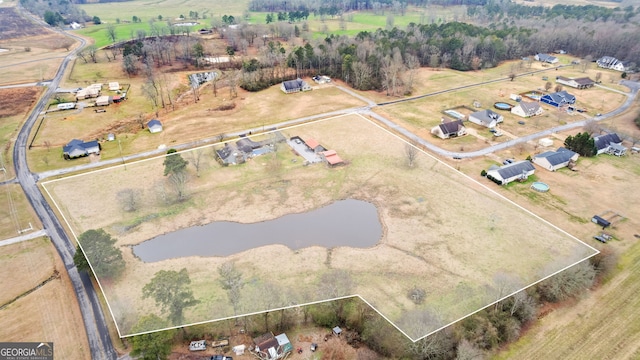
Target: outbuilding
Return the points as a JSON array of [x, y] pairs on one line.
[[155, 126], [600, 221]]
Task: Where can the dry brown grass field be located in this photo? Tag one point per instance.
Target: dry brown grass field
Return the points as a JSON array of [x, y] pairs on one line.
[[421, 216], [49, 313], [18, 217]]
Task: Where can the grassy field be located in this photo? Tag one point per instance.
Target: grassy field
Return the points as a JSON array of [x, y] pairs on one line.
[[604, 324], [412, 248], [49, 313]]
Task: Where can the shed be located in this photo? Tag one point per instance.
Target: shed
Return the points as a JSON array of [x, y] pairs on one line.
[[331, 157], [239, 349], [111, 137], [102, 101], [600, 221], [114, 86], [337, 330], [545, 142], [284, 343], [199, 345], [155, 126]]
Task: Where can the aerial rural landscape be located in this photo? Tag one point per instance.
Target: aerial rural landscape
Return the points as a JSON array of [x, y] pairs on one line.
[[320, 179]]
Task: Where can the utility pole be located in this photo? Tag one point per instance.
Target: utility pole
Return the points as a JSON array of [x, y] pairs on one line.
[[120, 147]]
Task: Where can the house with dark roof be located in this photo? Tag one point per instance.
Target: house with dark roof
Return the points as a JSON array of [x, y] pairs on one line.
[[78, 148], [554, 160], [558, 99], [519, 170], [293, 86], [609, 144], [449, 129], [546, 58], [487, 118], [609, 62], [578, 83], [527, 109], [154, 126]]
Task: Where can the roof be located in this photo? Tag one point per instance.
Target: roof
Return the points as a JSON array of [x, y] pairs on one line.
[[451, 126], [312, 143], [332, 157], [486, 116], [561, 97], [515, 169], [546, 57], [269, 343], [247, 145], [293, 84], [604, 141], [557, 157], [154, 122], [529, 108], [584, 81]]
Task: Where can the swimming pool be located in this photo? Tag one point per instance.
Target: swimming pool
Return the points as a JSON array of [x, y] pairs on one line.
[[540, 186], [502, 106]]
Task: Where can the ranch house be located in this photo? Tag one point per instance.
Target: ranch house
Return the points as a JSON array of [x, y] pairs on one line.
[[609, 144], [487, 118], [554, 160], [527, 109], [579, 83], [78, 148], [519, 170], [546, 58], [449, 129], [293, 86]]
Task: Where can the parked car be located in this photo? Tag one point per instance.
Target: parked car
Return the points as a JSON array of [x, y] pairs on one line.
[[600, 238], [221, 357], [314, 347]]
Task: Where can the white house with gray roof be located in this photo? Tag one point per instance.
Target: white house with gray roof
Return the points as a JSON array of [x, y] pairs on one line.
[[487, 118], [449, 129], [609, 62], [519, 170], [546, 58], [609, 144], [527, 109], [554, 160]]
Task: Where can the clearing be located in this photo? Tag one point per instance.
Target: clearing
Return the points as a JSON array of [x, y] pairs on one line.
[[463, 250]]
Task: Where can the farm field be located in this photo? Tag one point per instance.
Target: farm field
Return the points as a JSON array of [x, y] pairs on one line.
[[49, 313], [486, 229], [169, 9]]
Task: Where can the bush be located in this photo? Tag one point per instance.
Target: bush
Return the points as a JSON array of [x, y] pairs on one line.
[[483, 173], [568, 283]]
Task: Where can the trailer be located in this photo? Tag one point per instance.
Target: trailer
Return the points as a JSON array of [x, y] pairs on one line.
[[66, 106]]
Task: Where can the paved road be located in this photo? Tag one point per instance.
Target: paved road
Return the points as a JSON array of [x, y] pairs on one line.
[[100, 343], [18, 239]]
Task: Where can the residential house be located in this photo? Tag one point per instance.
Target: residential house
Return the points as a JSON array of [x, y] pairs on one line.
[[292, 86], [559, 99], [155, 126], [449, 129], [114, 86], [331, 158], [527, 109], [546, 58], [269, 347], [487, 118], [78, 148], [579, 83], [230, 155], [609, 62], [554, 160], [609, 144], [519, 170]]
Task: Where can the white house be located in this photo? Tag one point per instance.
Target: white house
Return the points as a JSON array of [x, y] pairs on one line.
[[609, 62], [610, 144], [114, 86], [449, 129], [546, 58], [487, 118], [155, 126], [292, 86], [519, 170], [554, 160], [578, 83], [527, 109]]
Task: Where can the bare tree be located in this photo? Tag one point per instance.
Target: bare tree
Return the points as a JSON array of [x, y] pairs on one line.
[[92, 52], [129, 199], [111, 33], [178, 181], [412, 64], [232, 82], [411, 152], [548, 85], [232, 282], [196, 159], [598, 76], [592, 127], [558, 88], [584, 64], [468, 351]]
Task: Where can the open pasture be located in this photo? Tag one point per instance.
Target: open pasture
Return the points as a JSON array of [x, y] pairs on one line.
[[464, 250]]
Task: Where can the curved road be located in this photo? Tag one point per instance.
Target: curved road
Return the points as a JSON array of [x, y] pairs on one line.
[[100, 343]]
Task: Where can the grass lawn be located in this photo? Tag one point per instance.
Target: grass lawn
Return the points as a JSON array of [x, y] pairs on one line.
[[411, 250]]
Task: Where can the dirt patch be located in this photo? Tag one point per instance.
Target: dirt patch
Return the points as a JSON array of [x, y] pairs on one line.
[[13, 25], [22, 100]]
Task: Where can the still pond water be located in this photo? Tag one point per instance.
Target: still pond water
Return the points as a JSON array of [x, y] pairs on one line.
[[352, 223]]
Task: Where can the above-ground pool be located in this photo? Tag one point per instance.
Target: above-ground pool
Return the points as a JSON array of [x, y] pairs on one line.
[[455, 114], [540, 186], [502, 106]]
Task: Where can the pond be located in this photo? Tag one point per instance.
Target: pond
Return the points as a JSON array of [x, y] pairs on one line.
[[350, 222]]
